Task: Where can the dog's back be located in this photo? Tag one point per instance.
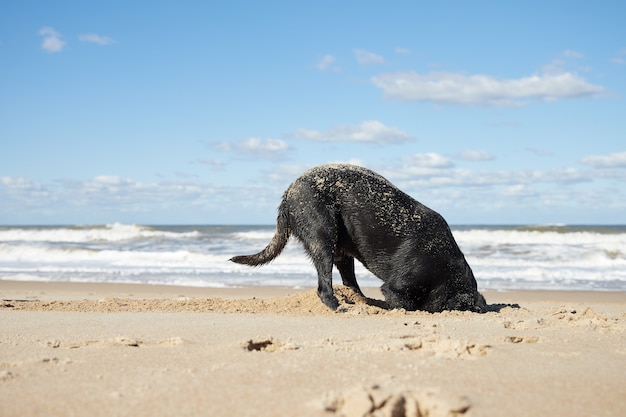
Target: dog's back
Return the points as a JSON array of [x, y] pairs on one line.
[[373, 212]]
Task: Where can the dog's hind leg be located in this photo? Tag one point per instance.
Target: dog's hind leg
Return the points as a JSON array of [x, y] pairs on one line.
[[325, 282], [319, 243], [321, 253], [345, 266]]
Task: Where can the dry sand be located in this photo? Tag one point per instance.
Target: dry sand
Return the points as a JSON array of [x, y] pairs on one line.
[[118, 350]]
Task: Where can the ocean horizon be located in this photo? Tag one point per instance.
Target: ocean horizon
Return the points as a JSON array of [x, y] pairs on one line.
[[503, 257]]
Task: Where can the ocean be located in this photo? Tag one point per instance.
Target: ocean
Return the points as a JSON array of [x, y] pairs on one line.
[[502, 257]]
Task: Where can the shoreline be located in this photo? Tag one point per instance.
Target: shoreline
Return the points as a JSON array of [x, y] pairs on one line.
[[82, 349], [92, 290]]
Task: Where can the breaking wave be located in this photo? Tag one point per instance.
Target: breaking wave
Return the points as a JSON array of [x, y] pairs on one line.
[[525, 257]]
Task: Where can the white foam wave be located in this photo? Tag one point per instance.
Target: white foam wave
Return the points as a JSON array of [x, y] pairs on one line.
[[500, 258], [260, 235], [110, 233], [521, 245], [514, 237]]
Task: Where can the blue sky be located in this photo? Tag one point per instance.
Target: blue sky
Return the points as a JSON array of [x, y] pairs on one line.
[[203, 112]]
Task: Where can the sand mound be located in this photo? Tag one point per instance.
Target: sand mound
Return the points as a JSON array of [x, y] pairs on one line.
[[299, 303]]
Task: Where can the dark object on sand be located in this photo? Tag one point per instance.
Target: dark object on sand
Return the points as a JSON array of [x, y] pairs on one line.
[[345, 212]]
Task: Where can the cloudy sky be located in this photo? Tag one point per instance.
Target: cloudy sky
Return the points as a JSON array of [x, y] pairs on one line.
[[203, 112]]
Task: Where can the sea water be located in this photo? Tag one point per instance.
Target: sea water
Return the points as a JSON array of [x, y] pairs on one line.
[[502, 257]]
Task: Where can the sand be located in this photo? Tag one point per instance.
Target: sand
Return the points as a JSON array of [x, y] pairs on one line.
[[121, 350]]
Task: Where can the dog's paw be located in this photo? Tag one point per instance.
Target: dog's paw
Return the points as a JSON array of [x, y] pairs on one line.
[[330, 302]]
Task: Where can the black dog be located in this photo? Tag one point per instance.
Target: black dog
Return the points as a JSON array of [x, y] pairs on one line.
[[343, 212]]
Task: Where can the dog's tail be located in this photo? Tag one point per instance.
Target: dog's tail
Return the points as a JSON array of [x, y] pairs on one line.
[[276, 245]]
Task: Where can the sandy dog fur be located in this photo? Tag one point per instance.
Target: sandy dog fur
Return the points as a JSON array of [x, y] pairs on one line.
[[344, 212]]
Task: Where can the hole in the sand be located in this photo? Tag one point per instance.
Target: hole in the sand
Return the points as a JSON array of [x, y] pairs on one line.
[[252, 345], [497, 308], [347, 296], [414, 346]]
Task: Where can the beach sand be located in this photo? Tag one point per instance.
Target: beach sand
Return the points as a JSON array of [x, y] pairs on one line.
[[120, 350]]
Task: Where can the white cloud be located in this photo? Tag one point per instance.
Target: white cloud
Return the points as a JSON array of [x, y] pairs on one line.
[[222, 146], [255, 147], [325, 62], [540, 152], [109, 198], [565, 58], [515, 195], [286, 173], [21, 185], [472, 178], [52, 41], [95, 38], [519, 190], [458, 88], [570, 53], [428, 160], [620, 57], [476, 155], [371, 131], [215, 164], [420, 167], [110, 180], [365, 57], [430, 177], [128, 194], [614, 160], [433, 170], [18, 194], [402, 51], [15, 183]]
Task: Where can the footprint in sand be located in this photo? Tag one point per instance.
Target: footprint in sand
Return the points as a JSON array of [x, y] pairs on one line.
[[521, 339], [122, 341], [373, 401], [525, 324], [268, 345], [172, 341], [6, 375], [429, 346], [588, 317], [54, 344], [440, 347], [126, 341]]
